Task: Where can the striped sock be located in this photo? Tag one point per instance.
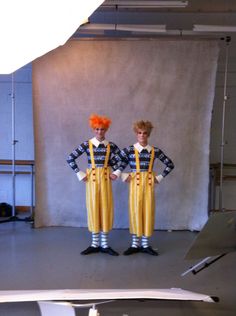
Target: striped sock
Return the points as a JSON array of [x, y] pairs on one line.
[[144, 242], [95, 240], [135, 241], [104, 240]]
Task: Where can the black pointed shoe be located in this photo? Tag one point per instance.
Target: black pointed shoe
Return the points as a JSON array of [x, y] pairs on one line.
[[131, 251], [149, 250], [90, 250], [109, 251]]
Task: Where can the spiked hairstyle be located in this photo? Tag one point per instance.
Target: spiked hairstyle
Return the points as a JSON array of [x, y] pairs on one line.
[[96, 121], [143, 125]]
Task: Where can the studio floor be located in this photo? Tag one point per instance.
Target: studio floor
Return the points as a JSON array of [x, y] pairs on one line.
[[49, 258]]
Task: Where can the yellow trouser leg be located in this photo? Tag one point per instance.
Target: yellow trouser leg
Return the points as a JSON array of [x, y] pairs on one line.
[[141, 205], [99, 201], [148, 207], [106, 202]]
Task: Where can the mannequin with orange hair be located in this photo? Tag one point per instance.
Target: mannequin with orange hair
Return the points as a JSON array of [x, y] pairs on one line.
[[99, 200]]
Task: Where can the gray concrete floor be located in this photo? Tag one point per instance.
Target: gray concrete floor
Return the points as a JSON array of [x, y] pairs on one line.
[[49, 258]]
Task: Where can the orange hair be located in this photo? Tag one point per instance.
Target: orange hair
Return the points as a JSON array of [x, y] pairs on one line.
[[96, 121]]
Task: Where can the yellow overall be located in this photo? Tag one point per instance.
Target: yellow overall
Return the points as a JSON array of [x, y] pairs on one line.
[[99, 200], [141, 199]]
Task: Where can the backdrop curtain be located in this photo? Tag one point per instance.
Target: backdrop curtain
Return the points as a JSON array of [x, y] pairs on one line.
[[170, 82]]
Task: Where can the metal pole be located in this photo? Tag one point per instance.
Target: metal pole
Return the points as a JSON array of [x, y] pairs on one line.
[[13, 145], [228, 39], [32, 192]]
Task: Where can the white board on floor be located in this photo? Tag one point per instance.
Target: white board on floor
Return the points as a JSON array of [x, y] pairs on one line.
[[104, 294], [57, 309]]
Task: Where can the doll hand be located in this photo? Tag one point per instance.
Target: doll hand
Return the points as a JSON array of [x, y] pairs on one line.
[[128, 179], [159, 178], [81, 175], [124, 176], [85, 179], [113, 176]]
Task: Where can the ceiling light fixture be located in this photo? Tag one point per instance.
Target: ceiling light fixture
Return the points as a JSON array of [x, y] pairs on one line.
[[96, 27], [145, 4], [153, 28], [214, 28], [141, 28]]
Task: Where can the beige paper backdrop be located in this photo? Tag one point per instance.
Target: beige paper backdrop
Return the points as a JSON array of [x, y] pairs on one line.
[[170, 82]]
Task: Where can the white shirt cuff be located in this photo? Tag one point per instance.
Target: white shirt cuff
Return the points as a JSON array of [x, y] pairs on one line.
[[159, 178], [117, 173], [81, 175], [124, 176]]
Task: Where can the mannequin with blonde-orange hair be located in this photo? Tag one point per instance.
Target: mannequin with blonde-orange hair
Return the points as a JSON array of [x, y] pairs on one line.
[[99, 200], [141, 157]]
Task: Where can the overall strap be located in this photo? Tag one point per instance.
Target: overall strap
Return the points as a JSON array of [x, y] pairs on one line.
[[137, 166], [106, 160], [92, 161], [91, 154], [151, 166], [137, 160], [107, 155], [151, 160]]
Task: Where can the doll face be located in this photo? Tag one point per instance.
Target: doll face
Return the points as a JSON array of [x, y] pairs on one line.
[[142, 137], [100, 133]]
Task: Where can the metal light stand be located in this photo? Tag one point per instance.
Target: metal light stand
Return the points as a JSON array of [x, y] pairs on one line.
[[13, 147], [206, 262], [13, 217], [228, 39]]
